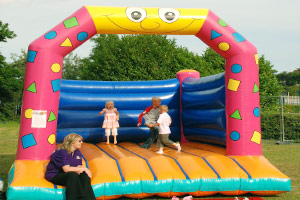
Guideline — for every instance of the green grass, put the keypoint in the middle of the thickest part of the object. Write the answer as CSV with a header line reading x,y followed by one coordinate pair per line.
x,y
287,159
284,157
9,133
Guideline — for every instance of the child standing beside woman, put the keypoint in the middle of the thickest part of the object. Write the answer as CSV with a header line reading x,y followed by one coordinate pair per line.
x,y
110,122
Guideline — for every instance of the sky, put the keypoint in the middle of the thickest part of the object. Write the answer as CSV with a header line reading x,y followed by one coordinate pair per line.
x,y
273,26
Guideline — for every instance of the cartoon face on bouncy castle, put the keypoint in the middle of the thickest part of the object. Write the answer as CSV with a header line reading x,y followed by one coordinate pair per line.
x,y
45,62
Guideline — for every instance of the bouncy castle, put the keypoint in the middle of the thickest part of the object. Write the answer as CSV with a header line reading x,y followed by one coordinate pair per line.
x,y
217,118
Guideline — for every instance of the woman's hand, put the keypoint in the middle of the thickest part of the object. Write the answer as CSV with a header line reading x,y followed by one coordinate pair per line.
x,y
138,125
88,172
79,169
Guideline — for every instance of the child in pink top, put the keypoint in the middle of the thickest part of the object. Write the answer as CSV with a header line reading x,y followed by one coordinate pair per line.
x,y
110,122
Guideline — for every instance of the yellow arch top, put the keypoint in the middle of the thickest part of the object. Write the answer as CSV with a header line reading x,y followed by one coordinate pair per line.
x,y
132,20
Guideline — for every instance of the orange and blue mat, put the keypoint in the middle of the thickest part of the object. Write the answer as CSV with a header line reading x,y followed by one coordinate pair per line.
x,y
128,170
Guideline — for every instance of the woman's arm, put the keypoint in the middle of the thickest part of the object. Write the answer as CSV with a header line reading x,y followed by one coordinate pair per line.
x,y
68,168
78,170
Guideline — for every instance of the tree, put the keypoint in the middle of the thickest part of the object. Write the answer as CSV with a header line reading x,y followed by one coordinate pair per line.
x,y
71,68
289,78
19,65
290,81
7,75
11,91
269,86
5,33
139,57
213,63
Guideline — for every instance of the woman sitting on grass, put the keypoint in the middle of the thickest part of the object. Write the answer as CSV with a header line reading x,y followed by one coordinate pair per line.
x,y
65,168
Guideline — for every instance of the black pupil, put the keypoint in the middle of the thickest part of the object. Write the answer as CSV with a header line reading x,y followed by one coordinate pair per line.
x,y
169,16
136,15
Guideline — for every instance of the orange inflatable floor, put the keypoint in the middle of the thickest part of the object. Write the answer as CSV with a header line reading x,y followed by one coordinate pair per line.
x,y
128,170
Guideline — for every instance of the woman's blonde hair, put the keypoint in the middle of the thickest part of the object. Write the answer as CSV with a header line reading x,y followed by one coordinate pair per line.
x,y
108,103
163,108
69,140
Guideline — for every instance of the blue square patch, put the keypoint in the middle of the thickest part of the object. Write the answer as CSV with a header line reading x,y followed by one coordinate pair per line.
x,y
28,141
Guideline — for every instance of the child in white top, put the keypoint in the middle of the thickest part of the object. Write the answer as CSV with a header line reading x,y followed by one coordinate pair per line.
x,y
110,122
164,121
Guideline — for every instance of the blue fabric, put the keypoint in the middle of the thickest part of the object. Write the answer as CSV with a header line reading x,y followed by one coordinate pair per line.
x,y
28,141
50,35
203,109
81,102
55,85
31,56
82,36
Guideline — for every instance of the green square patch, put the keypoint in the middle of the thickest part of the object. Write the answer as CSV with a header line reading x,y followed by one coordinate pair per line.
x,y
72,22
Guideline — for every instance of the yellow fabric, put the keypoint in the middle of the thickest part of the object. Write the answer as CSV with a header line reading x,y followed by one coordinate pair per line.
x,y
118,20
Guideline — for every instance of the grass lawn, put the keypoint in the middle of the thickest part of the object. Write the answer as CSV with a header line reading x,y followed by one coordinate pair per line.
x,y
285,157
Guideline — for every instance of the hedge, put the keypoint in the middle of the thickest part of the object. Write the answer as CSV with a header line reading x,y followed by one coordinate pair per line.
x,y
270,125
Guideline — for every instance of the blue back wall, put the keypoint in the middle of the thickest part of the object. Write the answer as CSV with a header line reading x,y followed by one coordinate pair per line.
x,y
203,103
81,101
203,109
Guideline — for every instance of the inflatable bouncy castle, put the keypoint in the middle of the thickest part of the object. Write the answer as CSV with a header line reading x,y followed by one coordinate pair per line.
x,y
217,118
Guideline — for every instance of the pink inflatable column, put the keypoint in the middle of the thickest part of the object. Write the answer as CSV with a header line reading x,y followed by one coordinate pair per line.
x,y
243,132
42,84
181,75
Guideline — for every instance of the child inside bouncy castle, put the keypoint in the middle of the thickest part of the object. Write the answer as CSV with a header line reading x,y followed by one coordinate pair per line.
x,y
164,121
150,114
111,121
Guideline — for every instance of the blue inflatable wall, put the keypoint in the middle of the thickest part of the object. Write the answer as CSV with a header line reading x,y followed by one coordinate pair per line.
x,y
203,109
81,101
203,102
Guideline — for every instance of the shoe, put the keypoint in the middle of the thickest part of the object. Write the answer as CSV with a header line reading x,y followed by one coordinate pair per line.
x,y
188,198
160,152
175,198
178,147
144,146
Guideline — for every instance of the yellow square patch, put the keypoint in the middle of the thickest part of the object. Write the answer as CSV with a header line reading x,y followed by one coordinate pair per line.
x,y
233,85
256,137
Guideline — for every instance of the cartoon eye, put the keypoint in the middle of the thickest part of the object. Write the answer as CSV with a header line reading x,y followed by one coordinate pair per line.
x,y
136,14
168,15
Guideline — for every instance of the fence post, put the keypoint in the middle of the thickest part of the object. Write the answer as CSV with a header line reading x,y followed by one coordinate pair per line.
x,y
281,120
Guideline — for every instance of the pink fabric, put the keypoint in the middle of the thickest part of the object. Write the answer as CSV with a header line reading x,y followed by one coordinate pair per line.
x,y
39,73
110,119
243,99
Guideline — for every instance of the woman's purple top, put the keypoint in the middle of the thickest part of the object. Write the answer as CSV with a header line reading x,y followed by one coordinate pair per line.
x,y
60,158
